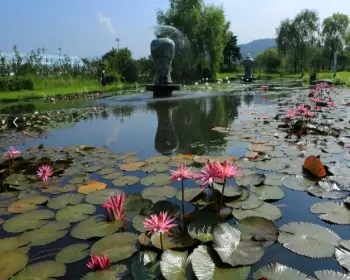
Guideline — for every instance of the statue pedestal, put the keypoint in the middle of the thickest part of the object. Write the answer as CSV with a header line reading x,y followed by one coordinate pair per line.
x,y
162,90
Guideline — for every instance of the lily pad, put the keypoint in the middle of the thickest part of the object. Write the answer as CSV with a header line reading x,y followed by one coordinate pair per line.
x,y
258,228
266,210
308,239
17,181
278,271
331,275
274,179
117,246
204,267
115,272
233,251
92,187
63,200
189,194
145,266
275,164
11,263
269,193
42,270
26,204
155,167
73,253
134,207
105,171
159,159
159,193
297,183
29,220
95,226
177,239
251,202
203,225
12,243
112,176
333,212
125,181
250,180
156,180
162,206
75,213
137,223
132,166
173,265
100,197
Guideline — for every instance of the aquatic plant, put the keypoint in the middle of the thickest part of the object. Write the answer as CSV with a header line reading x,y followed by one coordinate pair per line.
x,y
44,172
98,263
114,208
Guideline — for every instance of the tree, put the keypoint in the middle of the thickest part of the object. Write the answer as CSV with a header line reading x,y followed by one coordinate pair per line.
x,y
231,50
293,36
334,31
269,60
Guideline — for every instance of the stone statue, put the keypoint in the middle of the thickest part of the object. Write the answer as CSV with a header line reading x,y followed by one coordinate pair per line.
x,y
248,64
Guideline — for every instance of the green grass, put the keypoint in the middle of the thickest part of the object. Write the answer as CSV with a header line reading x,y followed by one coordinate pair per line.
x,y
51,87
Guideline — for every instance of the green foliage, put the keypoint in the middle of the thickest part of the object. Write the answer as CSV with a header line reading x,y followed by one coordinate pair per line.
x,y
269,61
16,83
231,51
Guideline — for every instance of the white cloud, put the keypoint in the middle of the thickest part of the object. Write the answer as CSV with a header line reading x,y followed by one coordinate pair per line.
x,y
106,23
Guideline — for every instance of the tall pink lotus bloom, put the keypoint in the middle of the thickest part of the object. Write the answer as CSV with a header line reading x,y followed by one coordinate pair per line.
x,y
331,104
114,208
181,173
291,114
231,171
44,172
210,173
302,109
12,153
308,114
315,100
98,263
159,223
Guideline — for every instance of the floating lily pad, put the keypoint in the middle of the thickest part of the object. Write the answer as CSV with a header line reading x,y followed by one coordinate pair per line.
x,y
42,270
297,183
318,191
279,271
132,208
269,193
125,181
230,191
250,180
94,168
156,180
107,170
275,164
331,275
132,166
137,223
63,200
118,246
159,159
145,266
92,187
177,239
29,203
274,179
29,220
112,176
100,197
162,206
159,193
266,210
173,265
95,226
204,267
258,228
337,213
73,253
11,263
17,181
251,202
12,243
79,179
189,194
115,272
233,251
68,188
203,225
308,239
155,167
75,213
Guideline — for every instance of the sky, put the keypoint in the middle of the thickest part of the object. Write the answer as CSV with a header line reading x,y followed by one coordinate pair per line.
x,y
89,28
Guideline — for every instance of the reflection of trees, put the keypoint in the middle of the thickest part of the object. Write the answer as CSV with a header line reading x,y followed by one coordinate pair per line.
x,y
248,99
194,118
123,111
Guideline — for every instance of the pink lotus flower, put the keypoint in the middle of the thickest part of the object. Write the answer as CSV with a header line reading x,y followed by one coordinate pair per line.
x,y
264,87
308,114
291,114
331,104
181,173
312,91
159,223
44,172
315,100
230,171
318,108
302,109
98,263
12,153
114,208
210,173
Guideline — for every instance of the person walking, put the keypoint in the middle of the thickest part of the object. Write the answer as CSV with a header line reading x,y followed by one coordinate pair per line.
x,y
102,78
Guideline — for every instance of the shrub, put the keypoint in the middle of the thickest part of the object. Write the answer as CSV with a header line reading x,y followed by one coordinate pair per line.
x,y
15,83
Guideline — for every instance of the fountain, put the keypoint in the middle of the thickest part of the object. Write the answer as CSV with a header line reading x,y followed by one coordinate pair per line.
x,y
163,52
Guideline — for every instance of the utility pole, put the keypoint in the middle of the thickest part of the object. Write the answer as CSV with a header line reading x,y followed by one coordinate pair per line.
x,y
60,50
117,40
43,50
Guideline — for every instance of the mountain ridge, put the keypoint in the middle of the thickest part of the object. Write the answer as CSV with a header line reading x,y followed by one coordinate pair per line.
x,y
257,46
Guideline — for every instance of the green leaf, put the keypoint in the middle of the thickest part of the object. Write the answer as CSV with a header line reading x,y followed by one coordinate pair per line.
x,y
173,265
29,220
266,210
250,180
42,270
134,207
11,263
75,213
26,204
161,206
137,223
233,251
144,268
100,197
308,239
117,246
274,179
95,226
157,180
269,193
278,271
230,191
275,164
204,267
65,199
203,225
331,275
115,272
73,253
333,212
159,193
342,254
258,228
155,167
123,181
297,183
177,239
17,181
12,243
189,194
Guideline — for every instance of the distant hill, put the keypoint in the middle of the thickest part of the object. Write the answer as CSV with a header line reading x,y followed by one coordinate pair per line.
x,y
257,46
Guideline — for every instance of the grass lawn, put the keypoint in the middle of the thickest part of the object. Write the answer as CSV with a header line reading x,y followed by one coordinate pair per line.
x,y
51,87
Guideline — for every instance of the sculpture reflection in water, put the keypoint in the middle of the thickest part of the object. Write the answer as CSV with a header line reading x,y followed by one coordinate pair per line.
x,y
185,126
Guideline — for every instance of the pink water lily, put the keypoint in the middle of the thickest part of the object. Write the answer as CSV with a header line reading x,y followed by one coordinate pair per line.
x,y
302,109
315,100
114,208
331,104
308,114
291,114
210,173
44,172
181,173
98,263
12,153
231,171
159,223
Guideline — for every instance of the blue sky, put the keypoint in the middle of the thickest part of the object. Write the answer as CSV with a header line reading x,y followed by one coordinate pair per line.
x,y
89,27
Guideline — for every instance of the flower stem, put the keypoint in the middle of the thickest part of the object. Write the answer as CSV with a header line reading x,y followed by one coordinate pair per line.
x,y
161,241
183,203
222,195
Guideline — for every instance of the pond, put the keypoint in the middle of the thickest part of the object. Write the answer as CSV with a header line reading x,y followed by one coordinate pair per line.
x,y
127,144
